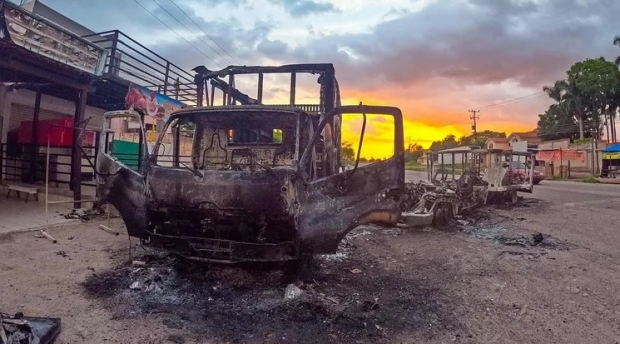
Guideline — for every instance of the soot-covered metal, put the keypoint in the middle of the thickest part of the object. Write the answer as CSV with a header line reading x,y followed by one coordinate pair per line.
x,y
247,183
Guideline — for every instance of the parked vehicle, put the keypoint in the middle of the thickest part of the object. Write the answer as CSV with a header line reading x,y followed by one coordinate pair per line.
x,y
519,169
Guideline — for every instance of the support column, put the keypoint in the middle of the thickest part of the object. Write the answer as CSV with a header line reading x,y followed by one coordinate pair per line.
x,y
76,153
5,112
34,138
5,117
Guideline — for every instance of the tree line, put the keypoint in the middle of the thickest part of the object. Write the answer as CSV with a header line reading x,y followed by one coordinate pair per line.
x,y
414,151
587,101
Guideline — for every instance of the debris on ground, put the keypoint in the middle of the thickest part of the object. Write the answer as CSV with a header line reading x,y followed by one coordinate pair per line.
x,y
46,235
62,254
83,214
138,263
108,229
292,292
17,329
522,202
236,304
487,226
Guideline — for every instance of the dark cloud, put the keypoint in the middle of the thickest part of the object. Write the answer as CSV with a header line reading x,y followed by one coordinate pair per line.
x,y
301,8
272,48
229,41
464,42
127,15
475,42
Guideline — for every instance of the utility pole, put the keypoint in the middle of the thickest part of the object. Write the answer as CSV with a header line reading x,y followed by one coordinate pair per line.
x,y
474,117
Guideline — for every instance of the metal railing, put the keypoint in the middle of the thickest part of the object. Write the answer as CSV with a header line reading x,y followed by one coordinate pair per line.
x,y
134,62
30,166
309,108
22,167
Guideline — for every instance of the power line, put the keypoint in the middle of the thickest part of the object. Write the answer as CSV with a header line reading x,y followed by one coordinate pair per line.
x,y
234,60
515,100
195,35
169,28
204,32
537,94
190,31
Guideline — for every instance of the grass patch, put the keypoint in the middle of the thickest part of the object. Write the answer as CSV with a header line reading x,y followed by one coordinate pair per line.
x,y
590,180
414,166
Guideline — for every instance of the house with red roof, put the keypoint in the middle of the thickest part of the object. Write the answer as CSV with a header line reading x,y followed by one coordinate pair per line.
x,y
497,143
530,137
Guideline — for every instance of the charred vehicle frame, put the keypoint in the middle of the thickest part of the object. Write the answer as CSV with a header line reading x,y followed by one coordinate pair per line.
x,y
242,195
482,169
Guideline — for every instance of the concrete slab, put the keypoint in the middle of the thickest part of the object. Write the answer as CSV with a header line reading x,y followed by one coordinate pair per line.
x,y
17,215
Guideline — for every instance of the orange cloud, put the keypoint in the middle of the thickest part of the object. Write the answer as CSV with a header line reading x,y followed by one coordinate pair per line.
x,y
429,117
424,121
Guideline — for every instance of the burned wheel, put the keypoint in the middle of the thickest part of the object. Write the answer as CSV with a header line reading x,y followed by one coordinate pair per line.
x,y
513,198
442,214
492,198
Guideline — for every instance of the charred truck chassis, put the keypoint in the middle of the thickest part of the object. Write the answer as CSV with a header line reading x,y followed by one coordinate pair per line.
x,y
437,202
239,201
503,184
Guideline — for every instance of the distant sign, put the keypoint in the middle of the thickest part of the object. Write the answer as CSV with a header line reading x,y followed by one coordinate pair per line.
x,y
45,38
150,103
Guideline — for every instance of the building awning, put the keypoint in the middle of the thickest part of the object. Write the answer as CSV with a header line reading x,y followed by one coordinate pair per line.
x,y
615,148
611,156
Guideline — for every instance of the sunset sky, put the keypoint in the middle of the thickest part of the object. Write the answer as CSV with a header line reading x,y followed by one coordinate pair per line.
x,y
434,59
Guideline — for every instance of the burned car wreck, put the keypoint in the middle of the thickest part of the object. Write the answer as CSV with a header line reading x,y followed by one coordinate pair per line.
x,y
250,183
465,179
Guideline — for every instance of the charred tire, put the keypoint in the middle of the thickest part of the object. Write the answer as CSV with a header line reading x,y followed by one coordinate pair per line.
x,y
442,214
513,198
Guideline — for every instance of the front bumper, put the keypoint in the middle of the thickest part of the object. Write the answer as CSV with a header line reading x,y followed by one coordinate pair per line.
x,y
225,251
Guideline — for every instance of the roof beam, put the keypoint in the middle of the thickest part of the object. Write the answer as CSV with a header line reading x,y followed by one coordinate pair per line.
x,y
36,71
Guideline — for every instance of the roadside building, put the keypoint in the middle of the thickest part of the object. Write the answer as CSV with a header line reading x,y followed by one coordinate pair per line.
x,y
57,79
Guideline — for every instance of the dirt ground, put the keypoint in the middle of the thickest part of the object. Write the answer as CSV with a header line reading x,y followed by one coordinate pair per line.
x,y
486,279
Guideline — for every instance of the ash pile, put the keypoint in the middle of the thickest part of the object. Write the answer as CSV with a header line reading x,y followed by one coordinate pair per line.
x,y
330,300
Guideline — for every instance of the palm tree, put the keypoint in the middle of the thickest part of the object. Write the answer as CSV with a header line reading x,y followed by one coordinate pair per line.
x,y
570,101
617,42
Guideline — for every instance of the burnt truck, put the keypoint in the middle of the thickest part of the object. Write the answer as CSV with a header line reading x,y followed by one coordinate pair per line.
x,y
252,182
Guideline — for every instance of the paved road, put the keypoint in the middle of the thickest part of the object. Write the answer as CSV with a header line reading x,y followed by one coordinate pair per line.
x,y
560,192
576,193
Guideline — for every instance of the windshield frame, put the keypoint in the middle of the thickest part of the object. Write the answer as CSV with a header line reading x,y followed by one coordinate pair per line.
x,y
300,116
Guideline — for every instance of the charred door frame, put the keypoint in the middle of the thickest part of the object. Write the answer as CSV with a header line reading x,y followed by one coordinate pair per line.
x,y
399,140
143,153
331,206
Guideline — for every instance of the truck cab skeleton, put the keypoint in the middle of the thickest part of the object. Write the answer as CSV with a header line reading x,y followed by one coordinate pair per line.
x,y
260,183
